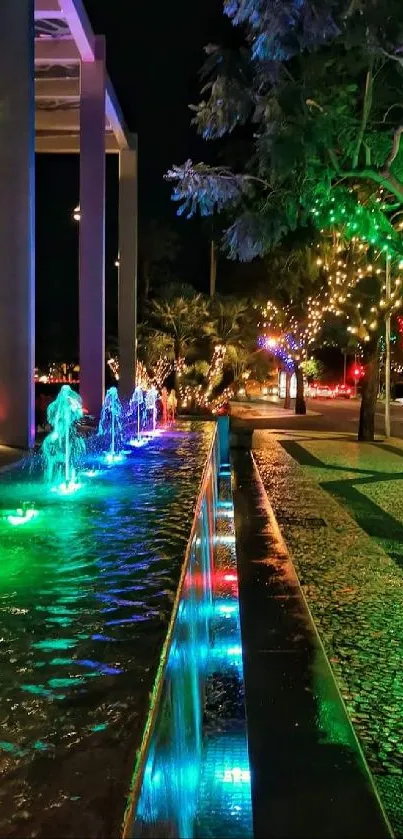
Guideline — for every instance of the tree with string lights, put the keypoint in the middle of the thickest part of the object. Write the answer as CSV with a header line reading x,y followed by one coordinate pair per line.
x,y
317,82
356,295
288,333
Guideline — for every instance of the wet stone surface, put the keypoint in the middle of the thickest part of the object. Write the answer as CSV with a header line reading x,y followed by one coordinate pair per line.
x,y
354,588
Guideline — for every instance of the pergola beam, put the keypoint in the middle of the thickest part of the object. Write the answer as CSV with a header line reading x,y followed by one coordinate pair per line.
x,y
68,144
54,51
46,14
47,8
57,120
64,89
80,28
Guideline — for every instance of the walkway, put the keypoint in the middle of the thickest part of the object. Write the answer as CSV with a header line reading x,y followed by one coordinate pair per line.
x,y
340,508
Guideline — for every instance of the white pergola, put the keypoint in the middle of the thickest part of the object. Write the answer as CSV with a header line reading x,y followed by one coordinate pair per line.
x,y
57,99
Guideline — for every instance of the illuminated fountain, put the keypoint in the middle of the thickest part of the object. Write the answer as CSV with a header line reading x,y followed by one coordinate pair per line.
x,y
63,448
111,426
135,410
151,408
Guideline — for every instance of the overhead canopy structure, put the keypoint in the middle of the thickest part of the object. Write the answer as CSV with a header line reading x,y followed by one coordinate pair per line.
x,y
64,39
57,99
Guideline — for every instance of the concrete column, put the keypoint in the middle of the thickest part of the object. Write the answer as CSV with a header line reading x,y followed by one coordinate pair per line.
x,y
17,207
127,268
92,230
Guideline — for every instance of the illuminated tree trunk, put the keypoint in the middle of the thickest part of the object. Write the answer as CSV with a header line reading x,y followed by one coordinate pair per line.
x,y
287,400
366,429
300,405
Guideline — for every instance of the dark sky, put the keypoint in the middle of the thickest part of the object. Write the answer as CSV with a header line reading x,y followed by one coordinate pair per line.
x,y
154,53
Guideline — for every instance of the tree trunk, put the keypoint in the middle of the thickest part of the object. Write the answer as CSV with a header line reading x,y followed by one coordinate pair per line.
x,y
300,404
177,359
287,400
146,279
366,429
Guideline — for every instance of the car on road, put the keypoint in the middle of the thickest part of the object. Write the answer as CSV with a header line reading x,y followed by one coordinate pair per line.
x,y
318,391
342,392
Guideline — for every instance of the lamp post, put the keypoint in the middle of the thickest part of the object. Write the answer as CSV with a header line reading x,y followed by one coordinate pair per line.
x,y
387,348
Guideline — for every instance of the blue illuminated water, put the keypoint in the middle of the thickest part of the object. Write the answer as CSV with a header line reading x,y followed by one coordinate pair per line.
x,y
196,781
224,807
86,592
111,425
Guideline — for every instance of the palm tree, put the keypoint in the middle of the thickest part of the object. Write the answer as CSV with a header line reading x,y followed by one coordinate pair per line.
x,y
239,359
185,320
230,321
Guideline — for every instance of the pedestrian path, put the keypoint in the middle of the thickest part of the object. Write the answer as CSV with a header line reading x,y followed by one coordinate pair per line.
x,y
339,505
309,778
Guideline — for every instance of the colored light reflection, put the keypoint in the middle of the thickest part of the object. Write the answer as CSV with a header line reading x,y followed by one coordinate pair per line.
x,y
234,776
138,442
21,516
226,609
111,458
66,489
225,513
225,539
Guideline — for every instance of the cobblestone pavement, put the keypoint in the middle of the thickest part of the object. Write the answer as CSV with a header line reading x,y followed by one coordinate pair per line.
x,y
351,572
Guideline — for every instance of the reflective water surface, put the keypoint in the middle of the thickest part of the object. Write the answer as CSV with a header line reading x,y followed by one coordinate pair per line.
x,y
196,779
86,591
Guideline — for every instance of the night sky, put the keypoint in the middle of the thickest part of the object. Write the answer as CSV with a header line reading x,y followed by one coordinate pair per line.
x,y
154,53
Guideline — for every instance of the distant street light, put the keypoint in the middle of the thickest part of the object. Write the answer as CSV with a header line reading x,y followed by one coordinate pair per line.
x,y
77,213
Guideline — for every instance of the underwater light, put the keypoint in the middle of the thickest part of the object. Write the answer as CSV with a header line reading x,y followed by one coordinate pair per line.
x,y
22,516
66,489
137,442
234,776
114,458
234,650
226,610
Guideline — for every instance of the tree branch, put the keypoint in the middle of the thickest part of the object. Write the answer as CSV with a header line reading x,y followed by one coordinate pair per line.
x,y
366,110
395,148
382,177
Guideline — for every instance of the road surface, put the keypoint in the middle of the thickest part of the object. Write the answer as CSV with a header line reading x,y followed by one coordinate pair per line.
x,y
323,415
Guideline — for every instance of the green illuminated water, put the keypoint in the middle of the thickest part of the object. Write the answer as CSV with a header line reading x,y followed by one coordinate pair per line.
x,y
86,591
63,448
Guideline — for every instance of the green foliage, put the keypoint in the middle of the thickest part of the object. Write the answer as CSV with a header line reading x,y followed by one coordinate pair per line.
x,y
238,360
313,368
318,85
184,320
